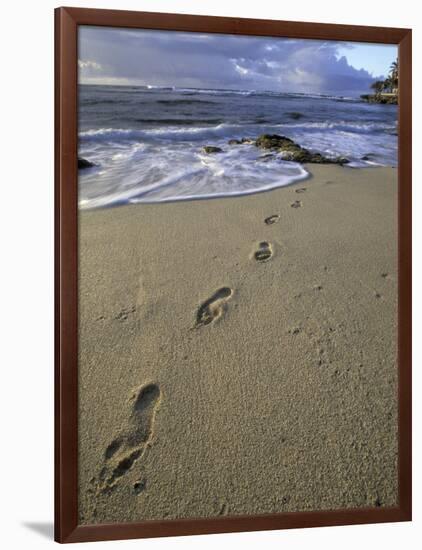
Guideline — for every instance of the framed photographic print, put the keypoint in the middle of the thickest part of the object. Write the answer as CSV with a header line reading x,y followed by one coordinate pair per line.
x,y
233,274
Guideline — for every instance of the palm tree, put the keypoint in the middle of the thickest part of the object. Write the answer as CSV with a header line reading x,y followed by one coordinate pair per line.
x,y
394,75
388,85
385,91
378,86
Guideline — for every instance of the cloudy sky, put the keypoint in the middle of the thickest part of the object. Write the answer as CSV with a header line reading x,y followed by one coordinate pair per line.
x,y
168,58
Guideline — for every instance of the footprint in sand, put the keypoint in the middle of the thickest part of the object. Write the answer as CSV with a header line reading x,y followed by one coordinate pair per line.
x,y
129,446
213,308
301,190
264,252
139,486
272,219
125,313
296,204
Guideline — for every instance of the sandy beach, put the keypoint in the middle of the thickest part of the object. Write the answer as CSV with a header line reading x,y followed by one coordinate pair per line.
x,y
238,355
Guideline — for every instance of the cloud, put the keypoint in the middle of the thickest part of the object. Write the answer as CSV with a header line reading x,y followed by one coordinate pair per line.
x,y
89,69
88,64
165,58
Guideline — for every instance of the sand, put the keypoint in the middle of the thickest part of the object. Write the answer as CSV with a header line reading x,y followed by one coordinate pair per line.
x,y
232,366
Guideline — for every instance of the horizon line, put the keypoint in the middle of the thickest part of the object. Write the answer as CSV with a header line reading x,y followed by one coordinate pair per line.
x,y
181,88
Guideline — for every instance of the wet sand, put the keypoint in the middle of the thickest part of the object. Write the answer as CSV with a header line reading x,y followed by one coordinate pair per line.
x,y
238,355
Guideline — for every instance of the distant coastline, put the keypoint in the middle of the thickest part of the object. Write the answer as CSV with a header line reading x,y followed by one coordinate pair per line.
x,y
385,91
383,98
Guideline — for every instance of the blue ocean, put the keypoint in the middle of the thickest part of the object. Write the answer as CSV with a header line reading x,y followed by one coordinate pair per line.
x,y
146,142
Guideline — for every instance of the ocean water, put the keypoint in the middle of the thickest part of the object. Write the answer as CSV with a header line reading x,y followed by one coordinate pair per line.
x,y
146,142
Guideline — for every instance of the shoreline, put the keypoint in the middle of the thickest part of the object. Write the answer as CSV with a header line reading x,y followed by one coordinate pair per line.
x,y
308,167
260,336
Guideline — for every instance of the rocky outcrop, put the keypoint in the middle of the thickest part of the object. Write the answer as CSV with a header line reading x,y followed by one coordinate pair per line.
x,y
83,163
274,142
289,150
385,99
240,141
280,147
209,149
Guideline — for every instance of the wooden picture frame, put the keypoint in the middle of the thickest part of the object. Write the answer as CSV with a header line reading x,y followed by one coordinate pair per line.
x,y
67,21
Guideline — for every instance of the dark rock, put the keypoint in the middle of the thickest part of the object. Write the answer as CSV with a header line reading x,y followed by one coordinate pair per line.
x,y
211,149
291,151
295,115
83,163
273,141
240,141
342,160
266,157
